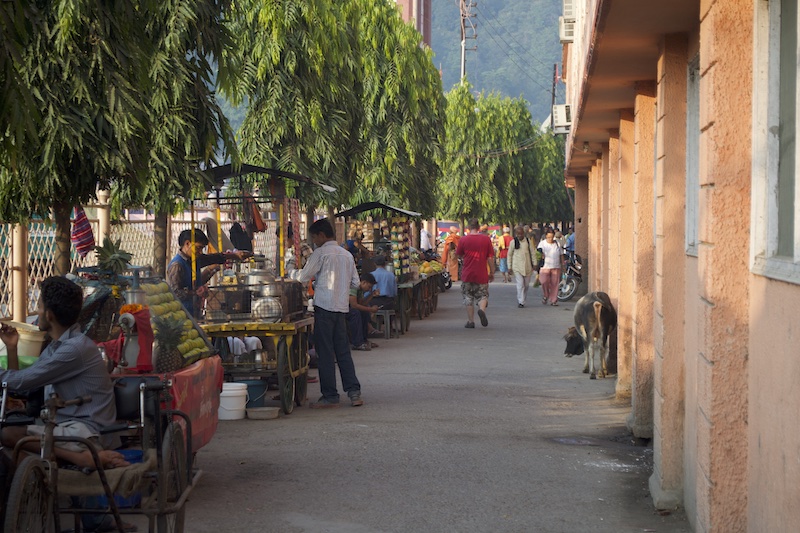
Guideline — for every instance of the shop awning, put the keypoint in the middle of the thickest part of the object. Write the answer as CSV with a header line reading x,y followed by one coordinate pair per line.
x,y
371,206
219,174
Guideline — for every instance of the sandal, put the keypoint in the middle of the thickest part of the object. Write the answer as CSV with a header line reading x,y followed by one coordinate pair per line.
x,y
554,304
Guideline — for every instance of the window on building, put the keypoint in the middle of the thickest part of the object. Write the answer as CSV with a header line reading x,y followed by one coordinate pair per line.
x,y
775,236
692,155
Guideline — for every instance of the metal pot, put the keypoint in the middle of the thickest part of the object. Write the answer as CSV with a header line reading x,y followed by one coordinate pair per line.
x,y
259,277
274,289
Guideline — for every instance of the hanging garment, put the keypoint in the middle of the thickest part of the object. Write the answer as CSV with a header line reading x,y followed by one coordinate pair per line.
x,y
240,239
82,235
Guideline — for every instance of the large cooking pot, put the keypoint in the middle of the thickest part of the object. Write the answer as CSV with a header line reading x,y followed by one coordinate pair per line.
x,y
259,277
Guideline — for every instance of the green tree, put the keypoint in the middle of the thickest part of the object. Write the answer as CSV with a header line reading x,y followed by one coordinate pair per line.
x,y
403,112
498,166
299,74
95,72
341,92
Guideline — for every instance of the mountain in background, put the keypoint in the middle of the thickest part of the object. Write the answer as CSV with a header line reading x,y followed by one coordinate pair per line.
x,y
517,47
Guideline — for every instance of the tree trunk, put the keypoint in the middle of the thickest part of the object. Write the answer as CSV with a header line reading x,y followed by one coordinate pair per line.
x,y
61,215
160,226
332,220
309,220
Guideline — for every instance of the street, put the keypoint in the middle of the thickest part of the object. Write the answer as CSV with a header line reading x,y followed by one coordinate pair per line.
x,y
484,430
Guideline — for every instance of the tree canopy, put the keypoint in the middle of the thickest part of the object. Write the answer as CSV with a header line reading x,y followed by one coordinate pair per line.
x,y
340,91
498,166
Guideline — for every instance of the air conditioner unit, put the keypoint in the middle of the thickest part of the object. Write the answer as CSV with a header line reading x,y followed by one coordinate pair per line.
x,y
562,118
569,10
566,30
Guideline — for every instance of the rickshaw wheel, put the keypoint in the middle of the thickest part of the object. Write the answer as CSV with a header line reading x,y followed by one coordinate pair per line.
x,y
301,381
172,480
30,501
285,379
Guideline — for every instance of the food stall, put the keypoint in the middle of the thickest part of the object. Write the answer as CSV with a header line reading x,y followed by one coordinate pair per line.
x,y
255,299
417,290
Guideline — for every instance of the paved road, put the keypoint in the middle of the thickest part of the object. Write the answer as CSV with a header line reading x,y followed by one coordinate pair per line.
x,y
484,430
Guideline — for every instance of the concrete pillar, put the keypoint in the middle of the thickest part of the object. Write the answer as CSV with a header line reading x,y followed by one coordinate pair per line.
x,y
640,421
667,479
19,273
603,221
726,70
103,216
624,237
581,221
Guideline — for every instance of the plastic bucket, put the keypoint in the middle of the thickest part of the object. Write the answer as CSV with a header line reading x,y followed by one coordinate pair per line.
x,y
232,401
256,391
30,338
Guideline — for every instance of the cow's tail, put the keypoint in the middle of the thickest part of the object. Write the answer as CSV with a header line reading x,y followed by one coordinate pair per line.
x,y
596,331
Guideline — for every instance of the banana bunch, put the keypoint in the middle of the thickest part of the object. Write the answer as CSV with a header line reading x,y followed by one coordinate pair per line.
x,y
111,258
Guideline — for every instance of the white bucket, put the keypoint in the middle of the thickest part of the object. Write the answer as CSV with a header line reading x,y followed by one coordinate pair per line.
x,y
30,338
232,401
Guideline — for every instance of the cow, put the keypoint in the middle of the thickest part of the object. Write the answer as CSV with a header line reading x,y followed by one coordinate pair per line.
x,y
595,319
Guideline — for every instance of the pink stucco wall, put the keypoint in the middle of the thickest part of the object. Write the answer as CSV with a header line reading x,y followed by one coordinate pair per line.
x,y
726,49
774,440
667,479
640,421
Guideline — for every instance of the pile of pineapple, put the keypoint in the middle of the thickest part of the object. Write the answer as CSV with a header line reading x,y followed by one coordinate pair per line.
x,y
179,343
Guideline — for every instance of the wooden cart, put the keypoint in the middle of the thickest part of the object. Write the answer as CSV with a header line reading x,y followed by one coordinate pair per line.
x,y
291,346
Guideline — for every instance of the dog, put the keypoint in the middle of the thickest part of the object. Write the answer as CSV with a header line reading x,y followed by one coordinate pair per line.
x,y
595,319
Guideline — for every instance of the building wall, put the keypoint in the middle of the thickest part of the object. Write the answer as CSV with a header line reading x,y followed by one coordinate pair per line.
x,y
667,479
715,343
726,51
640,421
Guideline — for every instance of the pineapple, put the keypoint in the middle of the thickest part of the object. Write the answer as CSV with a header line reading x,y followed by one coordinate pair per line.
x,y
168,332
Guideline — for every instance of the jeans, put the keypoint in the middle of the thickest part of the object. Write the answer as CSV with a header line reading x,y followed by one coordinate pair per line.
x,y
330,336
522,286
358,326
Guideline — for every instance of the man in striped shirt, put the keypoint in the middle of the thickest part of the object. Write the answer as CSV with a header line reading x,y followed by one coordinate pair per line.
x,y
70,366
335,274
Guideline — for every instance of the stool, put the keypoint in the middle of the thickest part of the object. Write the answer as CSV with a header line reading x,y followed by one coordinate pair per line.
x,y
390,324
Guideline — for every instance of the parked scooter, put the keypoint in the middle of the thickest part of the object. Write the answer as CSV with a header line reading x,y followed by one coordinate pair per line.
x,y
571,278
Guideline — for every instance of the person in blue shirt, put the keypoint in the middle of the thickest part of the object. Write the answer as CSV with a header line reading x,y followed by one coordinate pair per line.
x,y
385,289
569,247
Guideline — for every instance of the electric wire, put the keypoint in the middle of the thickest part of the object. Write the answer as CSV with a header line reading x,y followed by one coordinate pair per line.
x,y
522,69
497,31
495,16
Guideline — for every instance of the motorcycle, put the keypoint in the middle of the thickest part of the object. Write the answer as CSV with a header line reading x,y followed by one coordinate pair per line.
x,y
571,278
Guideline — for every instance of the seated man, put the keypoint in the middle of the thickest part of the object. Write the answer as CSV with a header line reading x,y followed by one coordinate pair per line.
x,y
70,366
385,285
358,316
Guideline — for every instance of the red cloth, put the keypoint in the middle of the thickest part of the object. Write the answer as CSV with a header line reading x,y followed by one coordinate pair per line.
x,y
195,391
144,363
504,251
81,235
476,248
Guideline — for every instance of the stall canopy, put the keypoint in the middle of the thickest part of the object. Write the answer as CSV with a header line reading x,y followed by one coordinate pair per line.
x,y
370,206
219,174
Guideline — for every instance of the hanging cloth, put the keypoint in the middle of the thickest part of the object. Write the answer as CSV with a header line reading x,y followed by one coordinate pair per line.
x,y
82,235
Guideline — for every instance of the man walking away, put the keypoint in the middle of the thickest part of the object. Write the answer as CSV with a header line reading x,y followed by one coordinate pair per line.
x,y
478,270
335,273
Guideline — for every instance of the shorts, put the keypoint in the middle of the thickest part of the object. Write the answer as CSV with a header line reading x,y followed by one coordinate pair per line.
x,y
504,264
70,428
474,293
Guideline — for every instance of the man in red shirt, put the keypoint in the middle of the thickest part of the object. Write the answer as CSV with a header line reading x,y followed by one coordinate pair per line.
x,y
478,270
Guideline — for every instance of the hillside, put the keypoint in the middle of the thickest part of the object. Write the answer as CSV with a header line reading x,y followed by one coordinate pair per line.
x,y
517,47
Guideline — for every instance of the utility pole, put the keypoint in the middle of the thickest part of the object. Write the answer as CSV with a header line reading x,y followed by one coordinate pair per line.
x,y
553,99
469,30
